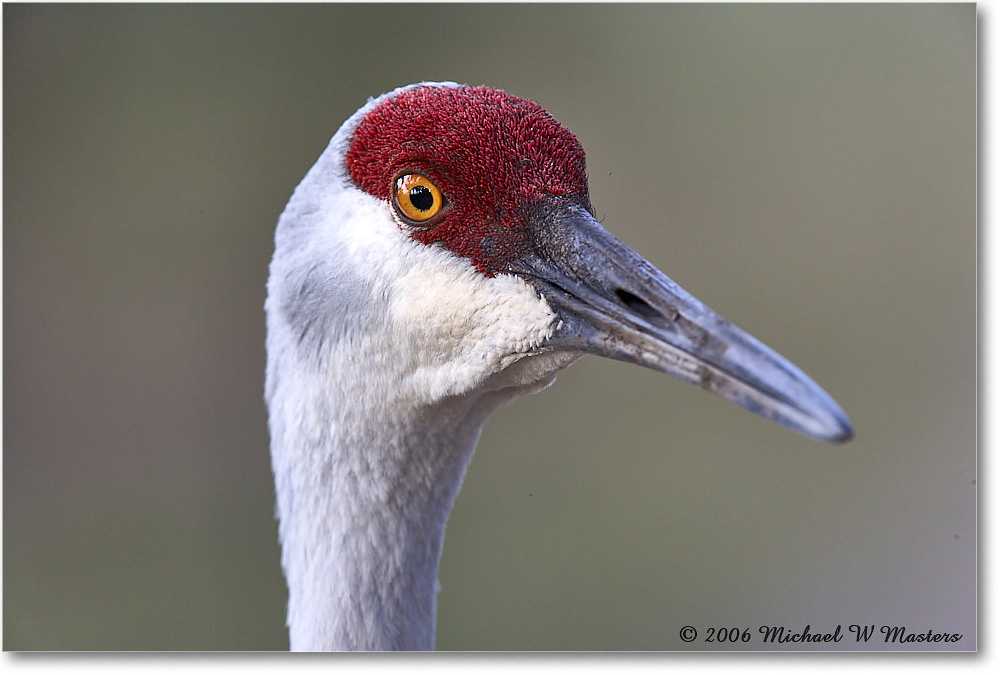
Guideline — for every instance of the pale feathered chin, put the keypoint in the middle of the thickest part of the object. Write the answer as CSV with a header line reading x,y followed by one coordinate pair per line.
x,y
614,303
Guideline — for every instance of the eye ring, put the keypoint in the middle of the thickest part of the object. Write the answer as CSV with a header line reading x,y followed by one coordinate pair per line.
x,y
416,198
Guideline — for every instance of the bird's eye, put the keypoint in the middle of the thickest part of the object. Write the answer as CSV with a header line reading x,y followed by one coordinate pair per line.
x,y
416,198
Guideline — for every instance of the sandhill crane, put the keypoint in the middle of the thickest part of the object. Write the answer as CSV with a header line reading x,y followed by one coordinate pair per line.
x,y
440,259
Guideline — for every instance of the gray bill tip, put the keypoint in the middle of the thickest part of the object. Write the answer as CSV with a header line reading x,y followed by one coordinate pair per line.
x,y
835,427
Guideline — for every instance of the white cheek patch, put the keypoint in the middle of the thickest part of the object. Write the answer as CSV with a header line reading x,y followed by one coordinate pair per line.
x,y
443,327
461,326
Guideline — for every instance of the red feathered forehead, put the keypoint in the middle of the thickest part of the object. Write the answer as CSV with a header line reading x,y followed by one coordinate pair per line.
x,y
492,155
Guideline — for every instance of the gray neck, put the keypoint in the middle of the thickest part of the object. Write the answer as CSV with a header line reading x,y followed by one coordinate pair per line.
x,y
362,513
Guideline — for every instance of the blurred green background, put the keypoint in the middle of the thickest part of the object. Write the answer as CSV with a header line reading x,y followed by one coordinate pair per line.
x,y
807,171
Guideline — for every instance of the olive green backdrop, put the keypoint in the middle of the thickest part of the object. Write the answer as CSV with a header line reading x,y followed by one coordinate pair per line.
x,y
807,171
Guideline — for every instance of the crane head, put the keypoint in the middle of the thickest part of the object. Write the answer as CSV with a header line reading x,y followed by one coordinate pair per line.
x,y
447,236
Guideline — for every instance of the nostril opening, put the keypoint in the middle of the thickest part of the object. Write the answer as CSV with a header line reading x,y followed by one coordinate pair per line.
x,y
637,305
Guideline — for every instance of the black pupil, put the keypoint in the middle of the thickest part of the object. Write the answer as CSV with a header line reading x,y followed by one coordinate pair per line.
x,y
421,198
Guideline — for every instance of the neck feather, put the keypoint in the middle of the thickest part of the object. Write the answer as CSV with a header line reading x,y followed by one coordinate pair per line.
x,y
362,508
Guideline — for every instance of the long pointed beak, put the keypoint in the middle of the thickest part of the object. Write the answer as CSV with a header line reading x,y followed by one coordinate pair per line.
x,y
614,303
